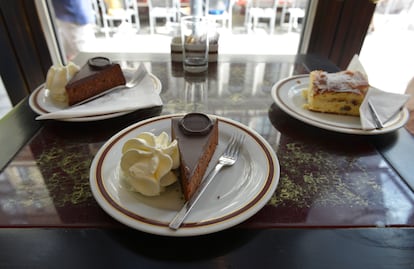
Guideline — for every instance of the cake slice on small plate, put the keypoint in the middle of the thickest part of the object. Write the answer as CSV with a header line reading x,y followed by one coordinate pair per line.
x,y
197,137
338,93
98,75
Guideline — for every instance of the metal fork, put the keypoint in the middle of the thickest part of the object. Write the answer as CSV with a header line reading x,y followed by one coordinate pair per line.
x,y
375,116
136,77
228,158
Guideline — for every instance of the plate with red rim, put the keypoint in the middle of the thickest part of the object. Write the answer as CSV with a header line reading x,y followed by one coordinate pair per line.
x,y
287,94
41,103
235,195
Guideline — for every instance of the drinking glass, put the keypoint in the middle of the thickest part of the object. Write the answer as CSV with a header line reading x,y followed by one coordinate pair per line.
x,y
194,37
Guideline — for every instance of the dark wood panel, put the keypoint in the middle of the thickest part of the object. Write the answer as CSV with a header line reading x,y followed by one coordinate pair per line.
x,y
339,29
10,71
37,34
26,53
351,32
324,27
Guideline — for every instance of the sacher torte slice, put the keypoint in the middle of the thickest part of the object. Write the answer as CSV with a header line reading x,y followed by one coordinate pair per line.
x,y
98,75
197,137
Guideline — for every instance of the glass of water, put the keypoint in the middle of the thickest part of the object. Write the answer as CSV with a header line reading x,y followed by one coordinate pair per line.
x,y
194,37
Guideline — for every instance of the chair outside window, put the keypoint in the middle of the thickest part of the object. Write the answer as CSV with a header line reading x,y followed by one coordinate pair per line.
x,y
296,13
221,12
115,12
163,9
261,9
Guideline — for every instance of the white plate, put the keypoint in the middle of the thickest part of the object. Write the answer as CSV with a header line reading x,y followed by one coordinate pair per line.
x,y
235,195
41,103
287,94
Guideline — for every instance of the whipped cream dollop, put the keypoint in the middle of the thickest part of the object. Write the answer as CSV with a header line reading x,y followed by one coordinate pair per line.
x,y
147,162
56,79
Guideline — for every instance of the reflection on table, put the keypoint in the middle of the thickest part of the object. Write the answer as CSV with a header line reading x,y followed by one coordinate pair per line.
x,y
327,179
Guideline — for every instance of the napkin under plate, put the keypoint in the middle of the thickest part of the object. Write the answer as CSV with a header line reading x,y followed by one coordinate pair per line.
x,y
386,104
120,100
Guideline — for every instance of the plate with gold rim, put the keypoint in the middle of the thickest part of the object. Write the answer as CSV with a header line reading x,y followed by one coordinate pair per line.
x,y
236,194
41,102
287,94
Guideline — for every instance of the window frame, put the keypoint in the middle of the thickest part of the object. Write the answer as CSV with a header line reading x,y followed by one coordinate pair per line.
x,y
334,30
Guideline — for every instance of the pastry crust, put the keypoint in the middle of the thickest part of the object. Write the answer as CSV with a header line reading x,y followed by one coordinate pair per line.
x,y
338,93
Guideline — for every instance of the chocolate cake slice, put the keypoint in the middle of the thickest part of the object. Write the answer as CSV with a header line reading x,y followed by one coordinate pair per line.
x,y
98,75
197,137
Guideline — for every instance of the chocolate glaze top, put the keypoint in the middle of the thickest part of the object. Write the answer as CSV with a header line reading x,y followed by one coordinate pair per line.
x,y
99,62
191,146
93,67
196,124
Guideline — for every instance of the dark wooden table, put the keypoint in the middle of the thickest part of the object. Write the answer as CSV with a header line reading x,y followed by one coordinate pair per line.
x,y
343,200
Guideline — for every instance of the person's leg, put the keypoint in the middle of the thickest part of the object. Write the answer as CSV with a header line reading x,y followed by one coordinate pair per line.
x,y
75,37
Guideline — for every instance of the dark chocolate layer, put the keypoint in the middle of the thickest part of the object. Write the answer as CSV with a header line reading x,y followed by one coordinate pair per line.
x,y
196,150
90,80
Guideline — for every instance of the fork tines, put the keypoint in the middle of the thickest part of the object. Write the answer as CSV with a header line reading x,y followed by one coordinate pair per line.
x,y
233,146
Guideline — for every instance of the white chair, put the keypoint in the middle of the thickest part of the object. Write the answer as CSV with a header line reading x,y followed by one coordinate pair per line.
x,y
133,13
125,11
221,11
166,9
296,12
261,9
294,15
97,13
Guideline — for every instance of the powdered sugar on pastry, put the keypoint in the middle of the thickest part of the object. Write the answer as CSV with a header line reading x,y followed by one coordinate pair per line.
x,y
345,81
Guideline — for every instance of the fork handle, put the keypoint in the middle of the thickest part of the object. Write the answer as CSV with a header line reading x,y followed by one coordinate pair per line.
x,y
375,116
188,206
